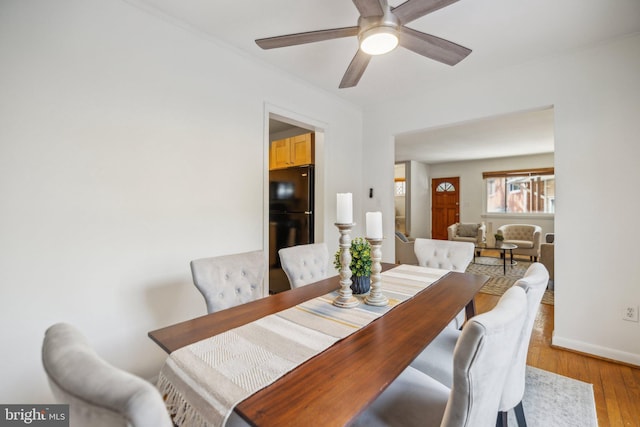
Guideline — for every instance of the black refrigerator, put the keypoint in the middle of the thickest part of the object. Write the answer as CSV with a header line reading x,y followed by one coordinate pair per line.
x,y
291,205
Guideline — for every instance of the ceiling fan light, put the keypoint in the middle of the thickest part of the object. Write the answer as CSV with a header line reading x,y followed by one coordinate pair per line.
x,y
378,40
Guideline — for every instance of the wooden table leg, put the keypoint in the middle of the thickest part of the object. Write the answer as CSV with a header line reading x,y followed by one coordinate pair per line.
x,y
470,309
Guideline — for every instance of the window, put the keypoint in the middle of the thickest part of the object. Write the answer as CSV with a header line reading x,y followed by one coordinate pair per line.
x,y
445,186
400,187
521,191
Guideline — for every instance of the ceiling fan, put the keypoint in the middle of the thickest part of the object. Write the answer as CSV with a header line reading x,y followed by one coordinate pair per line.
x,y
380,29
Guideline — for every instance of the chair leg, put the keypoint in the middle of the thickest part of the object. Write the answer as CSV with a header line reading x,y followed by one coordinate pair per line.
x,y
502,419
519,410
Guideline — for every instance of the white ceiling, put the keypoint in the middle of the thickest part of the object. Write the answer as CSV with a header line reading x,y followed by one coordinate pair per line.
x,y
501,33
514,134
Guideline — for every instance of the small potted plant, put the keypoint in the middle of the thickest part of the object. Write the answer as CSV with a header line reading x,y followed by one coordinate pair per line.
x,y
360,265
499,239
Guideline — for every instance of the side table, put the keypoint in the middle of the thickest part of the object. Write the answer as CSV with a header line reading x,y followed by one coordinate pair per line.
x,y
504,248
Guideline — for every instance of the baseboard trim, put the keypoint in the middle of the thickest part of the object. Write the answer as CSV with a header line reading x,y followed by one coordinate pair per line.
x,y
598,352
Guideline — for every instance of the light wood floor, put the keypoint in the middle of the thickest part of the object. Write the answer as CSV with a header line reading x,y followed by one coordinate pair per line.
x,y
616,387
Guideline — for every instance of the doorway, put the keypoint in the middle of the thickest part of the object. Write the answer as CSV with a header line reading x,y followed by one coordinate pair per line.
x,y
293,189
402,197
445,205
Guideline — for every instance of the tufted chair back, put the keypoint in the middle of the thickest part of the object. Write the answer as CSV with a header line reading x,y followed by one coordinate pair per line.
x,y
304,264
486,346
447,255
98,394
444,254
523,232
534,282
479,362
229,280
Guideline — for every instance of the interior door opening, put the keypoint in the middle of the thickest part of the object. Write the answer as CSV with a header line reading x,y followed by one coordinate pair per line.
x,y
291,193
402,197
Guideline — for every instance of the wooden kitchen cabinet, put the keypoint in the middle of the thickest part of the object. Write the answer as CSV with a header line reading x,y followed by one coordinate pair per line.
x,y
295,151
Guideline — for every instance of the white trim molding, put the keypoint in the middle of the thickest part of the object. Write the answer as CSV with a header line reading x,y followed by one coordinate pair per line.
x,y
596,350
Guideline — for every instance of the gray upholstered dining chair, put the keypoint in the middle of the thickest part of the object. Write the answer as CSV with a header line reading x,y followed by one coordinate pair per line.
x,y
534,282
98,394
229,280
435,360
480,364
444,254
447,255
304,264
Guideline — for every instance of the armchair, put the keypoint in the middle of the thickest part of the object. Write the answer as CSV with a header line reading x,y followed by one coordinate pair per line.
x,y
405,253
467,232
527,237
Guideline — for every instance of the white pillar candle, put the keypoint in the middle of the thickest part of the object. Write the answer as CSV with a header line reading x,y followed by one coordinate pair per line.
x,y
374,225
345,209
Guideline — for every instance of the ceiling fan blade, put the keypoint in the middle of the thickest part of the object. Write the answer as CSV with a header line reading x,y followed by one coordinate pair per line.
x,y
414,9
307,37
369,8
432,47
355,70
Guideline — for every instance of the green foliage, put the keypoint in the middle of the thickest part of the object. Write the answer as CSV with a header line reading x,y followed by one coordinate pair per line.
x,y
360,257
499,237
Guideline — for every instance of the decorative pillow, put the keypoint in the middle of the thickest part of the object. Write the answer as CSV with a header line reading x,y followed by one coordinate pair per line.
x,y
467,230
402,236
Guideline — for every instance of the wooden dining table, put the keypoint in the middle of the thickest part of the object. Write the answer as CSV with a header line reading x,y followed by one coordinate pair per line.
x,y
333,387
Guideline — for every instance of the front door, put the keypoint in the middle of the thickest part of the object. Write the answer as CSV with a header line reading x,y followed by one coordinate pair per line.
x,y
445,205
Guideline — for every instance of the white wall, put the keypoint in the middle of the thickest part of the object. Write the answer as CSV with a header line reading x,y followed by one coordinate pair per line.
x,y
129,146
420,217
595,97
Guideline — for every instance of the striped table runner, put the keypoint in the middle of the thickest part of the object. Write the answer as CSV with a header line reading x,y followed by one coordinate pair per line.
x,y
203,382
